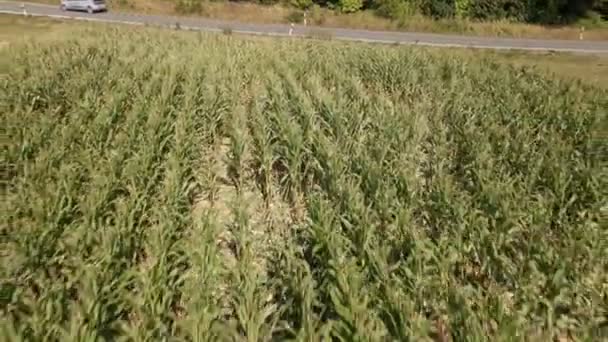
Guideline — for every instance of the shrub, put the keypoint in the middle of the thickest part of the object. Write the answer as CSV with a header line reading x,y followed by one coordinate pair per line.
x,y
496,9
395,9
601,7
301,4
593,20
438,8
124,3
295,17
268,2
189,6
317,15
462,8
349,6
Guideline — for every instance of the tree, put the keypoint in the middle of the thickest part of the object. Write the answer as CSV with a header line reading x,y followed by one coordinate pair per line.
x,y
349,6
497,9
462,8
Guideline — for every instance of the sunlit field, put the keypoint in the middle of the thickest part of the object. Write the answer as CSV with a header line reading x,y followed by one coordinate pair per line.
x,y
162,186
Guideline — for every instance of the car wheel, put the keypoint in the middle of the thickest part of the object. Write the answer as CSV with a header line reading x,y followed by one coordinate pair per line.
x,y
89,10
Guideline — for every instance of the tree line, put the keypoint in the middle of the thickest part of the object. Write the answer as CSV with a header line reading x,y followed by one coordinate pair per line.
x,y
530,11
533,11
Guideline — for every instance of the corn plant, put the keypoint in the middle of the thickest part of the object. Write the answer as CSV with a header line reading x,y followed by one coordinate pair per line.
x,y
424,196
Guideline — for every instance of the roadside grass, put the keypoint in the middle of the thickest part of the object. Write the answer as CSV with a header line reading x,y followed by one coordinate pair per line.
x,y
168,185
16,28
256,13
590,69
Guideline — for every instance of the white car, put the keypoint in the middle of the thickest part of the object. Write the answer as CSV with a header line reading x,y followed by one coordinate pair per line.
x,y
90,6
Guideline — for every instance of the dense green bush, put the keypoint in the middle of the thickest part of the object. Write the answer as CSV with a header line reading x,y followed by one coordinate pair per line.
x,y
546,11
496,9
536,11
462,8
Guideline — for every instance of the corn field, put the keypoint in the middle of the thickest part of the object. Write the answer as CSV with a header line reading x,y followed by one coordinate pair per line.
x,y
188,187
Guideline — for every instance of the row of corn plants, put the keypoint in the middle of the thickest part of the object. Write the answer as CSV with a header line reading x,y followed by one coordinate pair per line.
x,y
427,197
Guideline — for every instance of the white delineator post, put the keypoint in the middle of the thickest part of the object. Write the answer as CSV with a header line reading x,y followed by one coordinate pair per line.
x,y
580,36
291,29
23,8
305,18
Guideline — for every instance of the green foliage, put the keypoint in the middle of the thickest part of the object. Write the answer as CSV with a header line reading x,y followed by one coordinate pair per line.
x,y
592,20
295,17
189,6
349,6
437,8
124,3
317,15
497,9
601,7
463,8
280,189
541,11
301,4
396,9
532,11
268,2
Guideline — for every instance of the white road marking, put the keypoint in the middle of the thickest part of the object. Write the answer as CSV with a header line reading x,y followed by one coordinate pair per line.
x,y
304,35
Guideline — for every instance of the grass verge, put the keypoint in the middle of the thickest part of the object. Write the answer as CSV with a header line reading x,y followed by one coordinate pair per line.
x,y
590,69
255,13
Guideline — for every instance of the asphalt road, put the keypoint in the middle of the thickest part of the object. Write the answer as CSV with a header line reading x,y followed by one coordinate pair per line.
x,y
576,46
